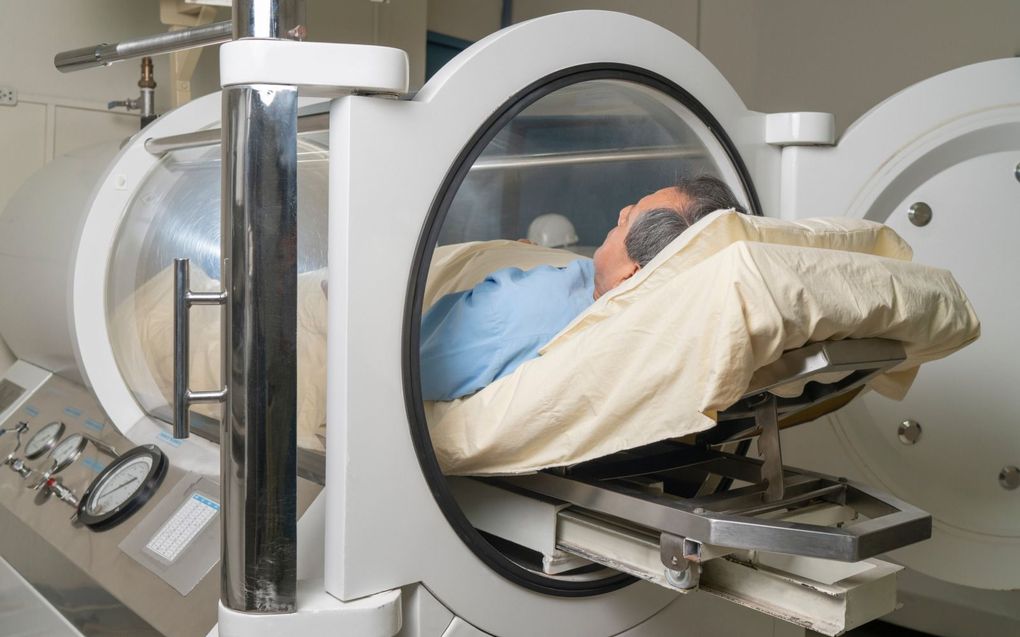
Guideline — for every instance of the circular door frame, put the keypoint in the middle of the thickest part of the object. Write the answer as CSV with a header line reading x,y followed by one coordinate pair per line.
x,y
419,274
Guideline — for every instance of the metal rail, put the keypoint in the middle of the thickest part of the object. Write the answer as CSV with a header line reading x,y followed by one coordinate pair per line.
x,y
319,122
589,157
258,446
161,145
106,54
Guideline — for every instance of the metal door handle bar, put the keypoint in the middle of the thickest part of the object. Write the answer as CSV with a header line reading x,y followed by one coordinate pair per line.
x,y
184,298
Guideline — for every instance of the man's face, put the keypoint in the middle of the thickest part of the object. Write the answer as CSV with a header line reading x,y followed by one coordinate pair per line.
x,y
612,265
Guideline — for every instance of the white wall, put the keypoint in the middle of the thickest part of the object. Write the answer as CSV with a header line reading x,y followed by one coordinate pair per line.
x,y
397,23
836,56
469,20
59,112
845,57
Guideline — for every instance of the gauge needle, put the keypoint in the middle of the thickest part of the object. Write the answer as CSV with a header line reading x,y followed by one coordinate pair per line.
x,y
119,487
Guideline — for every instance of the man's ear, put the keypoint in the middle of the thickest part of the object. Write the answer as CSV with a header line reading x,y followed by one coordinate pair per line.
x,y
632,268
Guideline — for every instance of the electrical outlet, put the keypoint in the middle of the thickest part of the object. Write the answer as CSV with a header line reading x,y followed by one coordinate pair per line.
x,y
8,96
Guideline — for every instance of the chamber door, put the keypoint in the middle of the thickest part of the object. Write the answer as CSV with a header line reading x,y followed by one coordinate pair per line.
x,y
534,120
940,163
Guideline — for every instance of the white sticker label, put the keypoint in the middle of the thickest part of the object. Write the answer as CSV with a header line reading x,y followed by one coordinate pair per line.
x,y
183,527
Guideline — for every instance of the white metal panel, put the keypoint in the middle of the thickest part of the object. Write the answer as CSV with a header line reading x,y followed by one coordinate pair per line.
x,y
29,378
706,615
952,142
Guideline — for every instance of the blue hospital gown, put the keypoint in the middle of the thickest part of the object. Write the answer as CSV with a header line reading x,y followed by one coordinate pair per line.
x,y
471,338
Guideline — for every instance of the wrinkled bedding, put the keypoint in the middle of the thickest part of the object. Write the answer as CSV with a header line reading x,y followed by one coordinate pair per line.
x,y
661,355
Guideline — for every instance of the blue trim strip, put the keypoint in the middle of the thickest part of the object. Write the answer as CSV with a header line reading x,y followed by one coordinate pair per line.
x,y
168,439
206,501
95,465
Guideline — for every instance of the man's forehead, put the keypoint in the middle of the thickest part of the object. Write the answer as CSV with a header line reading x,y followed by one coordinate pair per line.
x,y
664,198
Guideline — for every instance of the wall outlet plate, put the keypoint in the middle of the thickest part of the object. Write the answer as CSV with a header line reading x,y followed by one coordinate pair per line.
x,y
8,96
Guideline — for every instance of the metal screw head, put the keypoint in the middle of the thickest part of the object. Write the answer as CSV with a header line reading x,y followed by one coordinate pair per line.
x,y
919,214
1016,172
909,432
1009,477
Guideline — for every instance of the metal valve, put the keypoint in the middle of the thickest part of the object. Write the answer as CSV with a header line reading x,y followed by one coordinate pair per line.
x,y
18,466
56,487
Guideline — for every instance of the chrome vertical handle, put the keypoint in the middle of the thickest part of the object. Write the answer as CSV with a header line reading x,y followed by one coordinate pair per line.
x,y
184,298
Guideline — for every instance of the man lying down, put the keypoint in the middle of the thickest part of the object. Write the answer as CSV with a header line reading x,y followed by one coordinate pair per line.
x,y
674,343
471,338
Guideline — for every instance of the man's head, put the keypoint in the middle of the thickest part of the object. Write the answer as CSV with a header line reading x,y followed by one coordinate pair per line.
x,y
646,227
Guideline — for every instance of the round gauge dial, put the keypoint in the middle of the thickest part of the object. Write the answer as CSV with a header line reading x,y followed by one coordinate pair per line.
x,y
122,488
43,440
66,452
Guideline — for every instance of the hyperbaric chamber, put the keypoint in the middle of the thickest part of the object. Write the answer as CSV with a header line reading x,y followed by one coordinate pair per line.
x,y
458,162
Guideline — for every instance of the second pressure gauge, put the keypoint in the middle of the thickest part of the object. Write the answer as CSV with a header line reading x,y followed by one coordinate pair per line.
x,y
66,452
43,440
122,488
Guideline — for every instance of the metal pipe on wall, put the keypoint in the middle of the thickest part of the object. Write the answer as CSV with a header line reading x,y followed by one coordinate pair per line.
x,y
106,54
258,442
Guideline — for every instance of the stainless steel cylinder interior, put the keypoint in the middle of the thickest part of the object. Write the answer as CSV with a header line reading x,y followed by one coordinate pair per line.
x,y
258,443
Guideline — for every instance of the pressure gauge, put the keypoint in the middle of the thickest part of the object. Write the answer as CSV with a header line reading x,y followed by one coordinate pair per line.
x,y
122,488
43,440
66,452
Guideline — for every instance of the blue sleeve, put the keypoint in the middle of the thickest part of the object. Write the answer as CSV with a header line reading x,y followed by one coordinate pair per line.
x,y
471,338
459,336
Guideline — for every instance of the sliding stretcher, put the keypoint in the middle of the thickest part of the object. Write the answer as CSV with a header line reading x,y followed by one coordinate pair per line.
x,y
698,513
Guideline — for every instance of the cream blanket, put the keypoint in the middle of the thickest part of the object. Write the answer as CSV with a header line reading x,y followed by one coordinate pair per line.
x,y
659,356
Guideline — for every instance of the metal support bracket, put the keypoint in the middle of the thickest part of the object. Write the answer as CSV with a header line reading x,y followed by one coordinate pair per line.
x,y
184,298
767,417
682,559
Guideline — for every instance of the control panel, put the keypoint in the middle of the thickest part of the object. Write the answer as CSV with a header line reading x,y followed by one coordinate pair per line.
x,y
86,512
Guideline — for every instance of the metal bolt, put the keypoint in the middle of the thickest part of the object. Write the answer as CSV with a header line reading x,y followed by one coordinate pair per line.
x,y
685,579
1009,477
919,214
909,432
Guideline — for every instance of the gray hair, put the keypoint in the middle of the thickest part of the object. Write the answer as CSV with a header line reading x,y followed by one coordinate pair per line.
x,y
657,228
